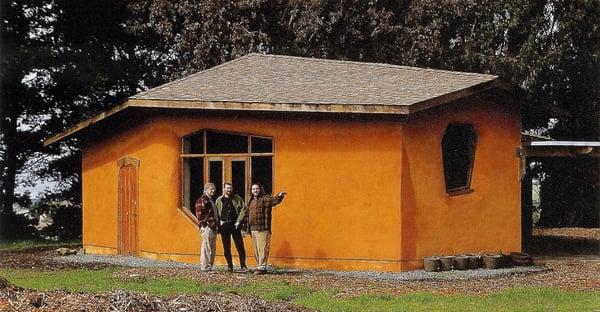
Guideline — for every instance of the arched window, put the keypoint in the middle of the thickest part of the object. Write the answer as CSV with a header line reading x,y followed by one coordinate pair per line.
x,y
458,152
218,157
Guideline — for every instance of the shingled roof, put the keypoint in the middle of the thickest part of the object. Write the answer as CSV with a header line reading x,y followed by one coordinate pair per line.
x,y
260,78
260,82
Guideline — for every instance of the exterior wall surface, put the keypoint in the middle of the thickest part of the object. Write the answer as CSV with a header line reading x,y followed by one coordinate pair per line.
x,y
342,177
485,220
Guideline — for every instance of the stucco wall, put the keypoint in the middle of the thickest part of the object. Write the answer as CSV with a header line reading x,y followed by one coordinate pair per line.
x,y
342,177
486,220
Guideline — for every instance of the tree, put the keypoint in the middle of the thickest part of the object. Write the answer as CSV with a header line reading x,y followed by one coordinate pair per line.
x,y
67,60
62,61
24,38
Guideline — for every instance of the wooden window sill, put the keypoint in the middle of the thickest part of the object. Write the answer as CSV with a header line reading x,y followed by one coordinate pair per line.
x,y
462,191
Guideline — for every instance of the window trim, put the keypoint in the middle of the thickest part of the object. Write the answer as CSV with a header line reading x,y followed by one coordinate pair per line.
x,y
248,156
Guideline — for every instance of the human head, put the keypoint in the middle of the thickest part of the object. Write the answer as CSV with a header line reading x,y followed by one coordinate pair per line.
x,y
210,189
257,189
227,189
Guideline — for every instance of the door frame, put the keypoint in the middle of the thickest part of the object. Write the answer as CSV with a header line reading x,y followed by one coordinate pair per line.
x,y
133,248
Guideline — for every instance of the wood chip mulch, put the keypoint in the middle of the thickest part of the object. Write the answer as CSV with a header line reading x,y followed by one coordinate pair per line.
x,y
14,298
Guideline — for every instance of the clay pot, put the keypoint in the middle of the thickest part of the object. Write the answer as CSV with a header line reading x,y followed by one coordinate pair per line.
x,y
432,264
474,262
447,263
521,259
461,263
492,261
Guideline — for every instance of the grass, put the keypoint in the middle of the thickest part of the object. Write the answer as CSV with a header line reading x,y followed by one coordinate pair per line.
x,y
516,299
91,281
20,244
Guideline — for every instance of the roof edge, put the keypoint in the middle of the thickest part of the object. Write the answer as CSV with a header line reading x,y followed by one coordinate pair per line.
x,y
84,124
233,106
271,107
449,97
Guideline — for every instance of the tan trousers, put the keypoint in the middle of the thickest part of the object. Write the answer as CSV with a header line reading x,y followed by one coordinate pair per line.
x,y
261,241
208,248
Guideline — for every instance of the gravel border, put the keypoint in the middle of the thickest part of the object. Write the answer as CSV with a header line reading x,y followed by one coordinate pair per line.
x,y
416,275
128,261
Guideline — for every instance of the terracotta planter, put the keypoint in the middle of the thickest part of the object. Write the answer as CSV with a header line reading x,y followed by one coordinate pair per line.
x,y
461,263
432,264
447,263
492,261
475,262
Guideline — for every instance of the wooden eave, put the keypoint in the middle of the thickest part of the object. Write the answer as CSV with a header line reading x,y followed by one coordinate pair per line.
x,y
86,123
332,108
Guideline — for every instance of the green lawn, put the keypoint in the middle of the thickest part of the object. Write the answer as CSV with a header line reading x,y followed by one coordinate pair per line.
x,y
521,299
20,244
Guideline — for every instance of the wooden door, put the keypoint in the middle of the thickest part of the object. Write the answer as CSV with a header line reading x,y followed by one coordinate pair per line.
x,y
128,206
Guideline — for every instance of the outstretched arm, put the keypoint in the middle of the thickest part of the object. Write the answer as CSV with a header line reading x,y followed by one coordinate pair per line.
x,y
278,198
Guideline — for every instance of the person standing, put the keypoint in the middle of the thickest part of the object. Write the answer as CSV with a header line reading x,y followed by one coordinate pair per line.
x,y
231,211
206,212
260,207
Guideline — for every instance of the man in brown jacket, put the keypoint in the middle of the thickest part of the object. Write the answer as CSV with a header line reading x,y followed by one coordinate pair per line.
x,y
259,222
207,221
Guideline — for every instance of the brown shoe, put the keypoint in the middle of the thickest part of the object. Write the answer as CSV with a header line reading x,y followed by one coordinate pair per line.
x,y
260,272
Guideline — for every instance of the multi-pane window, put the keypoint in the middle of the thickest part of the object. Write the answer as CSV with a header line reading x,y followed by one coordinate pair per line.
x,y
458,153
218,157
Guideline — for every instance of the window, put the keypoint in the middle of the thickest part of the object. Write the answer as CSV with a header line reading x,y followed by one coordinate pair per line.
x,y
218,157
458,153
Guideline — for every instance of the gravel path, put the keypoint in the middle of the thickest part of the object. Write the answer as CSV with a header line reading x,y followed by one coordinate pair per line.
x,y
416,275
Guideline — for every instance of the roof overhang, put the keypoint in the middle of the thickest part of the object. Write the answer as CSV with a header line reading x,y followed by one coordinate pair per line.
x,y
320,108
559,149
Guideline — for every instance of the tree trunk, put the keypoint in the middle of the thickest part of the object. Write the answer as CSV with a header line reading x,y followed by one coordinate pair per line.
x,y
9,165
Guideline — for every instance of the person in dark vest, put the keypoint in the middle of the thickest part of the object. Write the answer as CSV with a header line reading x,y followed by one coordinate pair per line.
x,y
208,220
260,207
231,211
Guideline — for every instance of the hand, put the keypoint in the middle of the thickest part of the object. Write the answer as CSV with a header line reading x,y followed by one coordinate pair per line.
x,y
237,225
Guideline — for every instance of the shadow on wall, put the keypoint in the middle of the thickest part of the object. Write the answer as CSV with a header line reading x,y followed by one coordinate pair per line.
x,y
284,251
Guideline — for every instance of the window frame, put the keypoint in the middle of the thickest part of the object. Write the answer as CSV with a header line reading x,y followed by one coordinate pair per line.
x,y
206,156
473,140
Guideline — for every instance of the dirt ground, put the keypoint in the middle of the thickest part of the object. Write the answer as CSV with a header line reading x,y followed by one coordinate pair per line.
x,y
567,272
564,242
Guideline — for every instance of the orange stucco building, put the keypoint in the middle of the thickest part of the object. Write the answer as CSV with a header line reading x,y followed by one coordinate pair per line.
x,y
383,164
